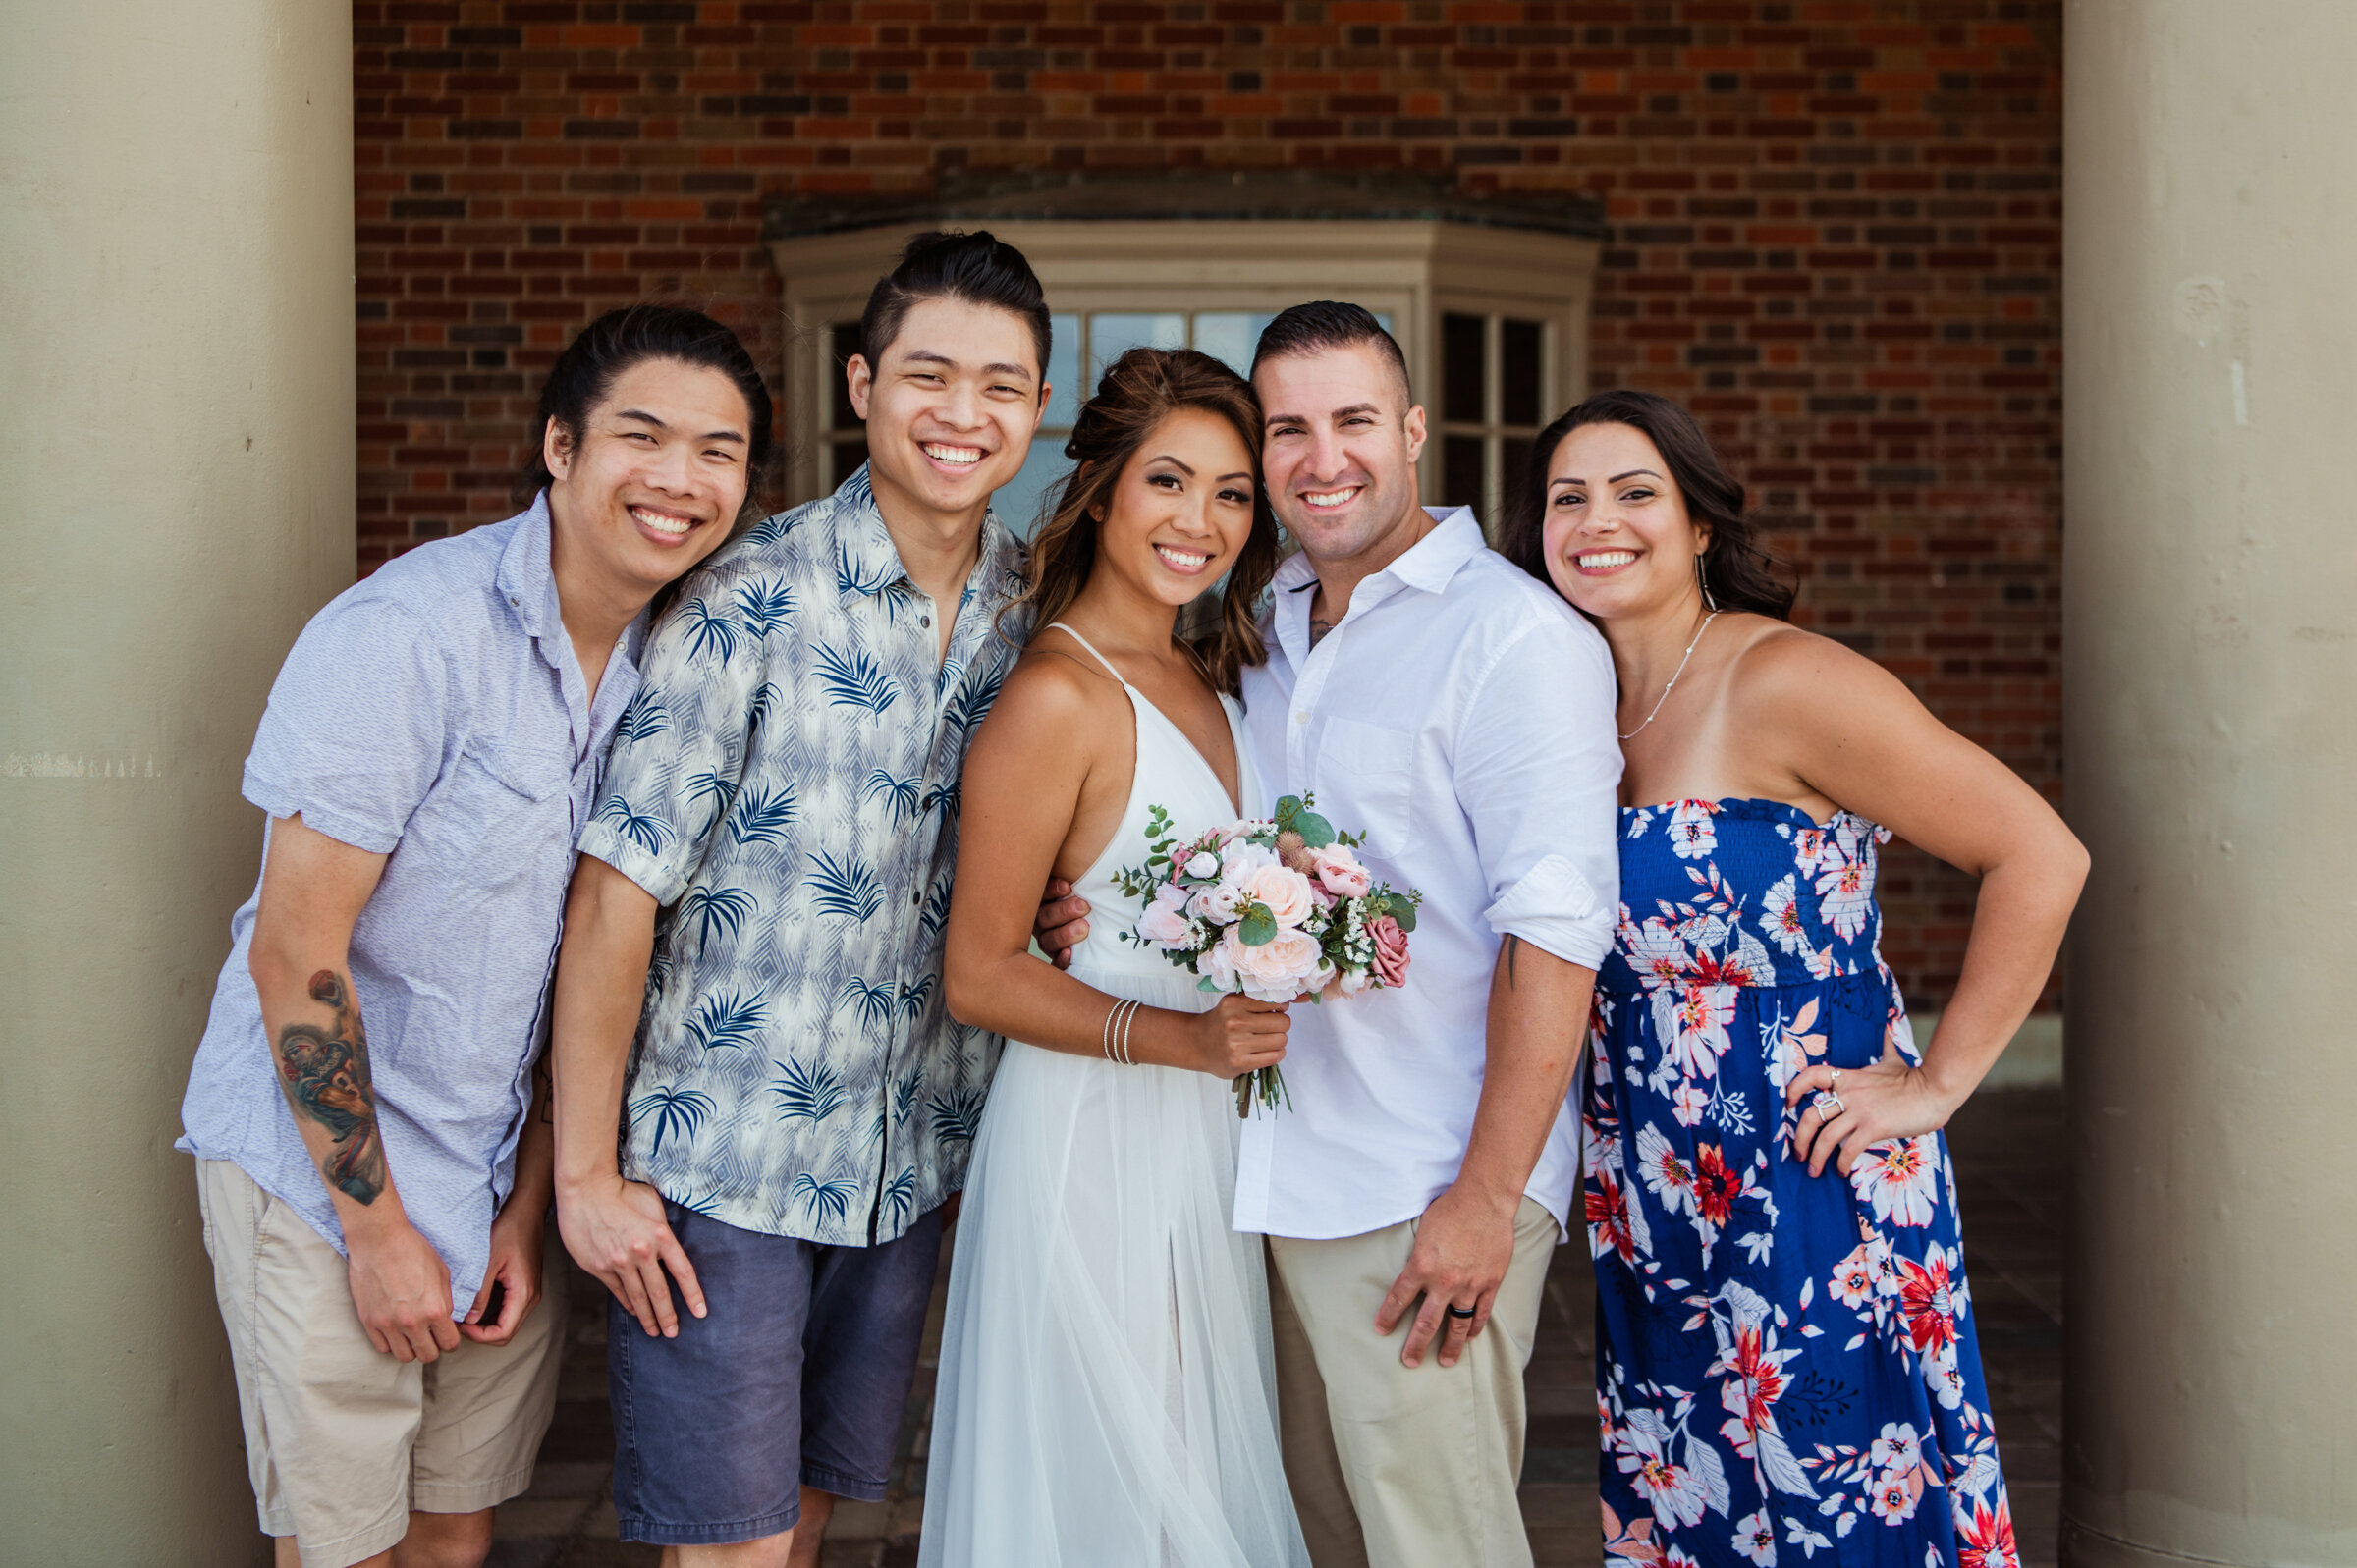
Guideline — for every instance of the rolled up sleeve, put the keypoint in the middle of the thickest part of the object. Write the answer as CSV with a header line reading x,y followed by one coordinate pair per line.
x,y
1538,775
679,757
357,726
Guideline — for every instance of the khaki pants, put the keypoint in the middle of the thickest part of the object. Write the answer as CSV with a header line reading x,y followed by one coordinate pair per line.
x,y
1392,1465
341,1442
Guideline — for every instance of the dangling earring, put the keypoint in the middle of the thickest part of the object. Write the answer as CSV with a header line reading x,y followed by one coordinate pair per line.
x,y
1702,580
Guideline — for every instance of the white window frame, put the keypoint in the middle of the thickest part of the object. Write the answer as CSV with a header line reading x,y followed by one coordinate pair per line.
x,y
1414,269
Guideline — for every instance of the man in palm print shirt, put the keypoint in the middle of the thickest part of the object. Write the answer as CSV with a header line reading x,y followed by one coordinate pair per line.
x,y
768,875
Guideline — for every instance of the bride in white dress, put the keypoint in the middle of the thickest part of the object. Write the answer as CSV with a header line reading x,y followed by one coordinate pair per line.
x,y
1107,1397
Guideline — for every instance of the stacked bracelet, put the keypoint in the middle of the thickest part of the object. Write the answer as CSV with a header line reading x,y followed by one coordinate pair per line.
x,y
1114,1040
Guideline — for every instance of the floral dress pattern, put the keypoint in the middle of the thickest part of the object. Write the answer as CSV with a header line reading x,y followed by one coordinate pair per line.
x,y
1785,1364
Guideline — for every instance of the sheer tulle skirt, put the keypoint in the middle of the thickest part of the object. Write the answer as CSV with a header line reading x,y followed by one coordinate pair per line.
x,y
1106,1391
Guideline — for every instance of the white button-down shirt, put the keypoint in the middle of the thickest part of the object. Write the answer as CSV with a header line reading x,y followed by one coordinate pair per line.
x,y
1460,716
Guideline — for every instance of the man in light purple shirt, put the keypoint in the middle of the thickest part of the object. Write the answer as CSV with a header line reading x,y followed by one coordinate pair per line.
x,y
430,753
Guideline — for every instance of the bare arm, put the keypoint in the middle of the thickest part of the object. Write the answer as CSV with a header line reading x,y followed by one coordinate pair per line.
x,y
313,888
1855,734
522,1226
614,1228
1024,782
1537,1021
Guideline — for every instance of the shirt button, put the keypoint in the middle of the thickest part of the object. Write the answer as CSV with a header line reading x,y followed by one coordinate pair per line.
x,y
925,621
916,900
1300,717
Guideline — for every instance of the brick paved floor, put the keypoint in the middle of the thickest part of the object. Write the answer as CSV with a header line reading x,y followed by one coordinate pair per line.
x,y
2008,1149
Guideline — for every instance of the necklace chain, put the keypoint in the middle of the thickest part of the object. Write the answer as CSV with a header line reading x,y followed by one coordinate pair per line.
x,y
1681,669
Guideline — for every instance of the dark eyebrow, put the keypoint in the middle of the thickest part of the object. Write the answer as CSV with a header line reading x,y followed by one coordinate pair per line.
x,y
643,417
1356,407
1164,456
1238,474
929,356
1613,480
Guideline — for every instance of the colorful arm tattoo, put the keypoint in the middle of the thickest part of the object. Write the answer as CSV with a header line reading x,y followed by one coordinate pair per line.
x,y
325,1074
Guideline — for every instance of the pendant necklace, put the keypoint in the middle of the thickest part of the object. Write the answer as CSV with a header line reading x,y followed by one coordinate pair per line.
x,y
1681,669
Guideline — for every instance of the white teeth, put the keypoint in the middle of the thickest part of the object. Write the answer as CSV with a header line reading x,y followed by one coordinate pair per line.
x,y
1605,560
1328,498
1184,560
956,455
661,523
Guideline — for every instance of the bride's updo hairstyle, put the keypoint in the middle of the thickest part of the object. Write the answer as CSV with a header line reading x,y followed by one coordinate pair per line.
x,y
1737,566
1139,390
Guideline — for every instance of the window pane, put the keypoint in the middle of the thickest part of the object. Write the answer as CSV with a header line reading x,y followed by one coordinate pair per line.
x,y
1464,369
1518,373
1230,336
842,342
1513,472
847,455
1111,335
1064,391
1021,501
1460,473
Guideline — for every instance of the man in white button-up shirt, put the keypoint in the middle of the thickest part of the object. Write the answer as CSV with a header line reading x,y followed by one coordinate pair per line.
x,y
1460,714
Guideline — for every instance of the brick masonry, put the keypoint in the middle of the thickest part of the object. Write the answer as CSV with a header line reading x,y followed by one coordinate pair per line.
x,y
1834,231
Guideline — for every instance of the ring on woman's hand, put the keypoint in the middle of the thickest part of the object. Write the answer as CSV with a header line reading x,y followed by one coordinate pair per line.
x,y
1836,1080
1828,1104
1460,1312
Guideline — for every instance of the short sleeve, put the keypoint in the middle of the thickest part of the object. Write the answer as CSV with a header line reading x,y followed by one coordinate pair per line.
x,y
680,751
1538,772
354,734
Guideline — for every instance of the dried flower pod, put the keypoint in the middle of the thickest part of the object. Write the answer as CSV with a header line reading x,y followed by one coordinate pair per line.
x,y
1294,850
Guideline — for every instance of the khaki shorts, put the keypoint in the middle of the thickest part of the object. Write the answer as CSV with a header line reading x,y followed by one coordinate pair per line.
x,y
341,1442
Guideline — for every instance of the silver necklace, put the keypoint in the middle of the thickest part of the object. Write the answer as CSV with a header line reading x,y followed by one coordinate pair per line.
x,y
1681,669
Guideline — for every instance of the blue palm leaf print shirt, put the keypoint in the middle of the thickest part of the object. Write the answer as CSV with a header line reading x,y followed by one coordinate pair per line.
x,y
786,786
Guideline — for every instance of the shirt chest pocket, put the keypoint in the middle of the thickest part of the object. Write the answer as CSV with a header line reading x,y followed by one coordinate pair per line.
x,y
498,790
1364,773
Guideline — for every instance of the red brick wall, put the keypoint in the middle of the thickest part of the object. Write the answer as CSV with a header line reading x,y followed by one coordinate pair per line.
x,y
1834,231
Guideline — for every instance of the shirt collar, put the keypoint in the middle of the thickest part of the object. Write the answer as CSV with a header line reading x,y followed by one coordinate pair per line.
x,y
867,563
1429,562
526,579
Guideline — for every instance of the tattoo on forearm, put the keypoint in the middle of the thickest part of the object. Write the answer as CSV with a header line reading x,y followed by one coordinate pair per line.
x,y
1513,945
325,1075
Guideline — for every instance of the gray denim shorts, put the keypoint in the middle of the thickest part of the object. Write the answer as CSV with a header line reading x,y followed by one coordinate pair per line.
x,y
795,1377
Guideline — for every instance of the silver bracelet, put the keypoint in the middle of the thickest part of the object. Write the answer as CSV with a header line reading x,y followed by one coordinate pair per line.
x,y
1104,1035
1127,1024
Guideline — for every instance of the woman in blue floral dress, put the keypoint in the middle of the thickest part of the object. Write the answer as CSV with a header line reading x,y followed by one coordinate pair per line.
x,y
1785,1353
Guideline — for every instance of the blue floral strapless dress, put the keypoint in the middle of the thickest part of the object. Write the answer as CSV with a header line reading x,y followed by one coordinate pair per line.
x,y
1785,1364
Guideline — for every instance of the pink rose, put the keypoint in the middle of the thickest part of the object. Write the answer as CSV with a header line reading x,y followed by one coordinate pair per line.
x,y
1340,870
1391,950
1285,891
1279,970
1214,967
1165,919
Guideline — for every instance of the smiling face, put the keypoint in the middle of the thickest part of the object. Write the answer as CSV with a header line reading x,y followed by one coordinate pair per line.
x,y
1340,443
949,406
1618,538
1181,510
654,478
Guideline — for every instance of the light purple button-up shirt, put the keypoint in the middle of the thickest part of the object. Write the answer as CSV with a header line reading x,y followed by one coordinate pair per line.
x,y
436,713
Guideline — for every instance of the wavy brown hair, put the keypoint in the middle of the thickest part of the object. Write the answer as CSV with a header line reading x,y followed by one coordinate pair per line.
x,y
1139,390
1737,566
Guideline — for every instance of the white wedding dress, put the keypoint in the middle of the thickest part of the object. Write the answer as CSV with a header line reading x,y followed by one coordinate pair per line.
x,y
1107,1396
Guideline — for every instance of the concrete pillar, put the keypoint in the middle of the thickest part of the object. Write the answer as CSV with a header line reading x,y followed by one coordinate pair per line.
x,y
2209,570
176,480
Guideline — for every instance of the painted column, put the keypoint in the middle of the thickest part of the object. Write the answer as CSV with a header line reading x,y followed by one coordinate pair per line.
x,y
2210,729
177,478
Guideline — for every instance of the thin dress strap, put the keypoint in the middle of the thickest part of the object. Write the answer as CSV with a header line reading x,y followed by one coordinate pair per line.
x,y
1057,625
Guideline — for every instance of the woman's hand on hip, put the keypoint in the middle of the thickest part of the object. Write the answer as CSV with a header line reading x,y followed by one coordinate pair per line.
x,y
1889,1099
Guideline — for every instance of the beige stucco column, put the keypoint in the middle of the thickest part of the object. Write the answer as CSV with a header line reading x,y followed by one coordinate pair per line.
x,y
2210,731
176,480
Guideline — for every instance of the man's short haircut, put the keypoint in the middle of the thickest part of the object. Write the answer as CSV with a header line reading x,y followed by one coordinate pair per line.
x,y
1324,324
978,268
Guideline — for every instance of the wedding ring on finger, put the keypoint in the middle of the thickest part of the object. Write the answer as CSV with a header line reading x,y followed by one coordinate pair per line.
x,y
1461,1313
1828,1104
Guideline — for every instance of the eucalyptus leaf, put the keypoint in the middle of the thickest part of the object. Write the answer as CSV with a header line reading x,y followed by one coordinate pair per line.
x,y
1315,831
1287,810
1258,928
1404,912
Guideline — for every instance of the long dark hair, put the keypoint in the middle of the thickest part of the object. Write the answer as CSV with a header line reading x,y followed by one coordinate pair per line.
x,y
618,339
1139,390
1737,567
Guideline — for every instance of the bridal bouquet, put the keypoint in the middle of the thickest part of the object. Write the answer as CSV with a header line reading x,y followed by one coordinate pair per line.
x,y
1280,910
